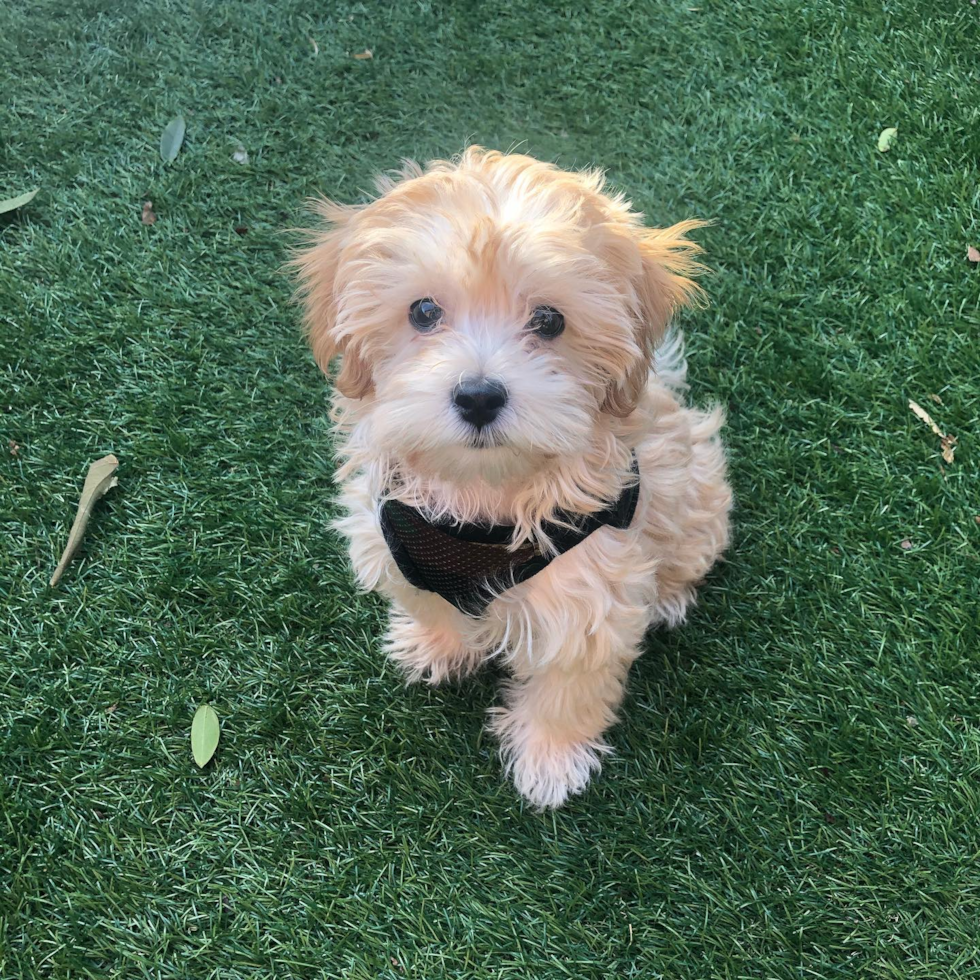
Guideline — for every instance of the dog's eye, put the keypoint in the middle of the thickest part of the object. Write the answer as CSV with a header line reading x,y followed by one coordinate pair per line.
x,y
546,322
424,314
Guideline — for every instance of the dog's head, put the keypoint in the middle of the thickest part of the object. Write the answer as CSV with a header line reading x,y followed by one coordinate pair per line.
x,y
489,312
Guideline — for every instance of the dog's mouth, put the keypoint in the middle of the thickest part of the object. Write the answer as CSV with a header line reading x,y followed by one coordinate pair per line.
x,y
486,438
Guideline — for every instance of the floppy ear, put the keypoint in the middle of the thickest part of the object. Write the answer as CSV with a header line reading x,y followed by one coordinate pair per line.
x,y
316,268
663,285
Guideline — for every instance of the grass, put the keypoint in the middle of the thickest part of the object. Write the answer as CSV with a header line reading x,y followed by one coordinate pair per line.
x,y
796,787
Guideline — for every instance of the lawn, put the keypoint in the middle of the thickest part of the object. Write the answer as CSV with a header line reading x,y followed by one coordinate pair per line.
x,y
796,788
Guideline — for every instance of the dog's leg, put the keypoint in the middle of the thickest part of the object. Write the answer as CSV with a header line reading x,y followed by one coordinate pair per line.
x,y
427,645
551,729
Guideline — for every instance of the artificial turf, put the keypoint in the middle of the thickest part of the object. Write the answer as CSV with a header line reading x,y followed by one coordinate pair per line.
x,y
796,789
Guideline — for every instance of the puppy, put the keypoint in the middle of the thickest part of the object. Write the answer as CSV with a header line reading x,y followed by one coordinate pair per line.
x,y
520,474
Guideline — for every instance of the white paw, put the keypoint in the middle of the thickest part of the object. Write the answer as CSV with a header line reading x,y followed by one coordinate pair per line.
x,y
546,767
427,654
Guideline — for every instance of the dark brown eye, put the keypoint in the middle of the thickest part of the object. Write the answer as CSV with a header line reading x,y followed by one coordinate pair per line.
x,y
546,322
424,315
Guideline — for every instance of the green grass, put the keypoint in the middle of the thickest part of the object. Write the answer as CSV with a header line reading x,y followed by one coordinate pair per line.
x,y
796,791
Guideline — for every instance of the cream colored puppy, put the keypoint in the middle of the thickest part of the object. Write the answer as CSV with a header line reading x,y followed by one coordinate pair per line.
x,y
521,476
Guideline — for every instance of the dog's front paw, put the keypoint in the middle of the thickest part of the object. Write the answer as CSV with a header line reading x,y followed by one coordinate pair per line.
x,y
425,653
546,766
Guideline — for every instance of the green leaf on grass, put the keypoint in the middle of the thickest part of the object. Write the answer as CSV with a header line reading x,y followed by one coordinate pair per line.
x,y
172,138
12,203
886,139
205,730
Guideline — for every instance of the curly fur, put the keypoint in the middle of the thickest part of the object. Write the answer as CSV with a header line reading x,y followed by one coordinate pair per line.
x,y
490,237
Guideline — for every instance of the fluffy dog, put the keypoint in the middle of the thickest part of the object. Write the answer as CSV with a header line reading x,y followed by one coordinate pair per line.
x,y
505,364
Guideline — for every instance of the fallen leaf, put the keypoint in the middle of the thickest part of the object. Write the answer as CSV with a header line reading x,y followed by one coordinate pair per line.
x,y
100,478
316,48
887,138
948,444
12,203
906,544
972,254
241,229
977,519
205,731
911,721
13,446
936,399
111,709
148,217
240,155
927,418
366,55
172,139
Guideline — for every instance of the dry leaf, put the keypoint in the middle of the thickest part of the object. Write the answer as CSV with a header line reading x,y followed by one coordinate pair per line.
x,y
111,708
936,399
240,155
906,544
947,442
241,229
972,255
948,445
927,418
316,48
911,721
148,217
13,446
365,55
100,478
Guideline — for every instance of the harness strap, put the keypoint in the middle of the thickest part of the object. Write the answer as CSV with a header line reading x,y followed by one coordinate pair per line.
x,y
469,564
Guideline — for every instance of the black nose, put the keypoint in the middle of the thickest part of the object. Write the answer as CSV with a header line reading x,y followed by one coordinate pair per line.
x,y
479,400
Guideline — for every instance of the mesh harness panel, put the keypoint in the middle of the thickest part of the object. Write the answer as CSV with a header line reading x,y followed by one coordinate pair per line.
x,y
469,564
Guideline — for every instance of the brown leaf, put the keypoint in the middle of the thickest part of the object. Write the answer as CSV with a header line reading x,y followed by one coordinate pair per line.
x,y
906,544
13,446
936,399
972,254
100,478
365,55
241,229
148,217
948,444
111,709
927,418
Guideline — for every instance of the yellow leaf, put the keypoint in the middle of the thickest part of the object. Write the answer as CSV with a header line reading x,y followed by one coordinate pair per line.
x,y
886,139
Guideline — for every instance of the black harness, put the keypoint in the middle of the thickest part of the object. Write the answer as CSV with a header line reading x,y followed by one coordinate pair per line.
x,y
470,564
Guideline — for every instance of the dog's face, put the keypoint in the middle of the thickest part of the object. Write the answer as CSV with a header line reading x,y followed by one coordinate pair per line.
x,y
489,312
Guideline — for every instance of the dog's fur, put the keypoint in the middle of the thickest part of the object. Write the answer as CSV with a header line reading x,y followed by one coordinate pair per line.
x,y
490,237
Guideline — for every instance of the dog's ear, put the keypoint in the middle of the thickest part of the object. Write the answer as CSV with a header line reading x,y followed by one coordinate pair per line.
x,y
663,285
316,267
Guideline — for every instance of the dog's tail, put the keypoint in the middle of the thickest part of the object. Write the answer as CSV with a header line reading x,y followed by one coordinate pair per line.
x,y
670,361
